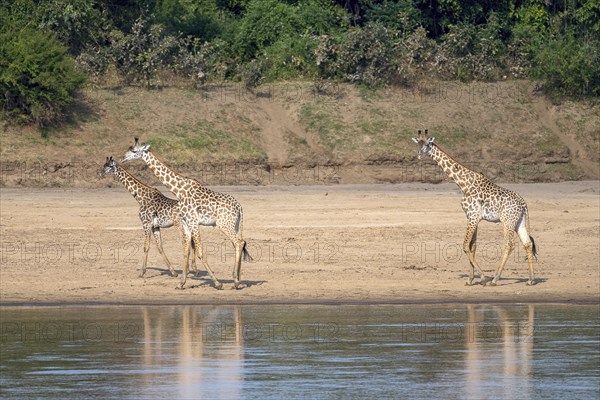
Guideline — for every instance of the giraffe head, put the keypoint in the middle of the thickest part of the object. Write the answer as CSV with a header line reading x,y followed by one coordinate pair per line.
x,y
136,151
110,166
425,143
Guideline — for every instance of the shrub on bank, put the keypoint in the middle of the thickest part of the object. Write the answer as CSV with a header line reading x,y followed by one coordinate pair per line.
x,y
38,79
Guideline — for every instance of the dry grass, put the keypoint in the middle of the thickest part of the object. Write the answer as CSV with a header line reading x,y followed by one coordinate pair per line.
x,y
502,124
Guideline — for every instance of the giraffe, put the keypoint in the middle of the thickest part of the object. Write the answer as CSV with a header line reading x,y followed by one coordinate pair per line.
x,y
484,200
156,211
200,206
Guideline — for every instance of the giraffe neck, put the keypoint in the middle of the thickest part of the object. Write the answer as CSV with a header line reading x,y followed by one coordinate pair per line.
x,y
134,186
172,180
460,174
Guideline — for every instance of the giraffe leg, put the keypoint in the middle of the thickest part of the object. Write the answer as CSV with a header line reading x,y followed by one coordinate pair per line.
x,y
186,240
529,250
469,247
158,240
529,246
193,249
239,248
146,250
185,236
198,246
509,244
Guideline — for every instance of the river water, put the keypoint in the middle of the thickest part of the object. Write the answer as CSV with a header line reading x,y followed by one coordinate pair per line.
x,y
290,351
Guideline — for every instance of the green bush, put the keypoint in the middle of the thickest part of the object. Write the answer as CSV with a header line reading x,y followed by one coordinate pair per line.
x,y
318,17
402,15
140,55
568,65
562,50
202,61
290,58
95,62
469,52
325,55
38,79
374,56
263,24
390,41
417,55
76,23
253,72
199,18
369,55
266,22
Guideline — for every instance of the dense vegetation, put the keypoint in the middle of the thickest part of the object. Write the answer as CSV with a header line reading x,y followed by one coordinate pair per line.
x,y
47,46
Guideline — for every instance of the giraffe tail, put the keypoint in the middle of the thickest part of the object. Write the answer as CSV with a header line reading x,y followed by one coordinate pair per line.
x,y
238,227
245,254
533,248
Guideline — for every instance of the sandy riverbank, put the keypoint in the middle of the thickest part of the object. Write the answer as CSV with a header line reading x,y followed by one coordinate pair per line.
x,y
311,244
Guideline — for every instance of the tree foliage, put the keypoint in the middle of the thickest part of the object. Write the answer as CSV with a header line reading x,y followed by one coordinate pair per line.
x,y
369,55
140,54
372,42
38,78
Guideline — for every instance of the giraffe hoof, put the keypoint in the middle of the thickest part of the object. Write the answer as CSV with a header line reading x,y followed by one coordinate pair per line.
x,y
179,287
174,274
492,283
218,285
469,283
530,283
239,286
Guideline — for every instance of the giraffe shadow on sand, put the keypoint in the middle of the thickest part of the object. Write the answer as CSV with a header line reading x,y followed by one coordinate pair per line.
x,y
161,272
205,280
507,281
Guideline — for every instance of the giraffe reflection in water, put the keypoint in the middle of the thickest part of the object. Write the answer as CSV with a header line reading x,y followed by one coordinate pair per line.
x,y
501,351
512,368
200,349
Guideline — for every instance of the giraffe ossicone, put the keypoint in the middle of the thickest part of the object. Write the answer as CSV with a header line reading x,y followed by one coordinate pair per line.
x,y
484,200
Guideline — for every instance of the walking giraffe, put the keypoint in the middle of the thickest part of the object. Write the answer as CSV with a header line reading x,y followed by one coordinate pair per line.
x,y
156,211
199,206
483,199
